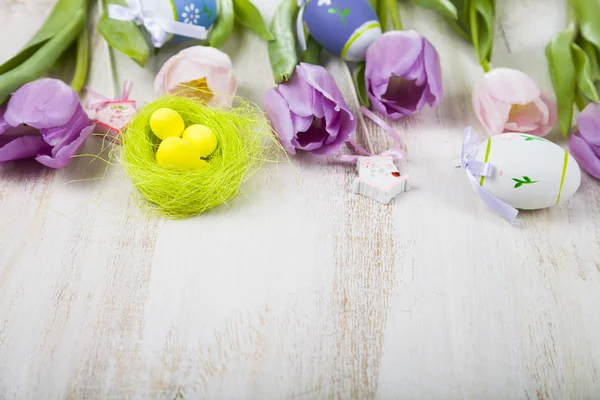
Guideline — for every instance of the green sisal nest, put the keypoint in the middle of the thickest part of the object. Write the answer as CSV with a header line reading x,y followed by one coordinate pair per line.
x,y
241,133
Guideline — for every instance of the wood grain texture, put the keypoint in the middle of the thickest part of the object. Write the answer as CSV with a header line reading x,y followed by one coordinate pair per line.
x,y
301,290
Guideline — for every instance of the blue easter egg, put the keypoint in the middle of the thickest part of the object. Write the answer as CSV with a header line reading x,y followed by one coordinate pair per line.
x,y
343,27
195,12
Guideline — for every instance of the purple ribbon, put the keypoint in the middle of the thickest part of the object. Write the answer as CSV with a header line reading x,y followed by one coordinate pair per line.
x,y
478,168
397,152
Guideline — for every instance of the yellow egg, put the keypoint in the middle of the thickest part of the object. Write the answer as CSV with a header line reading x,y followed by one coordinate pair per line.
x,y
202,138
166,123
176,153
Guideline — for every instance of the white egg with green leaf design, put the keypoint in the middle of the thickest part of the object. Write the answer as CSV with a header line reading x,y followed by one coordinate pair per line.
x,y
530,172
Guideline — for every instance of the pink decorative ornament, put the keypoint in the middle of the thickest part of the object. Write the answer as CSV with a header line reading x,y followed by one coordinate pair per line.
x,y
379,179
507,100
112,116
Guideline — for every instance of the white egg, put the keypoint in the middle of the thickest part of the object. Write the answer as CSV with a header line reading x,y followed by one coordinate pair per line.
x,y
530,172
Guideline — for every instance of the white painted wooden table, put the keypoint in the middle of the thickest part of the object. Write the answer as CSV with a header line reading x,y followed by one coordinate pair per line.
x,y
301,290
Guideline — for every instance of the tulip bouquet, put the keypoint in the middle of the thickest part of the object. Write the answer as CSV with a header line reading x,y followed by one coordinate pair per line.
x,y
43,118
574,58
306,109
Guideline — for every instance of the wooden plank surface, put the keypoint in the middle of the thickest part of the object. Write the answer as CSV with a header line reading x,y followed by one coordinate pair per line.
x,y
301,290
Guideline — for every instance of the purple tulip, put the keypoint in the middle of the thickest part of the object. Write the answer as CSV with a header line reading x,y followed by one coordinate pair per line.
x,y
309,112
402,74
584,143
52,108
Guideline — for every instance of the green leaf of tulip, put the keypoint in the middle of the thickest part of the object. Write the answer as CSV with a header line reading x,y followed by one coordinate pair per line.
x,y
481,21
444,7
282,50
249,16
563,75
585,81
361,86
43,59
593,56
124,36
223,25
588,17
61,15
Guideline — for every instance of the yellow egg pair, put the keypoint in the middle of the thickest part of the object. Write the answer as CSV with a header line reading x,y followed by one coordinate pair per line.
x,y
181,148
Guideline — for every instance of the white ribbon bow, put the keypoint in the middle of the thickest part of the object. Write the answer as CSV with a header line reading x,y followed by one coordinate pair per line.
x,y
159,29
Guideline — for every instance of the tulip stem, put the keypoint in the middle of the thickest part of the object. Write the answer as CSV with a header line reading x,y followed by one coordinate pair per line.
x,y
394,14
485,65
312,55
82,61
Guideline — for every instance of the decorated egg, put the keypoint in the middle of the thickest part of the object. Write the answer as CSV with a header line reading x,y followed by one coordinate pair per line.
x,y
343,27
194,12
530,172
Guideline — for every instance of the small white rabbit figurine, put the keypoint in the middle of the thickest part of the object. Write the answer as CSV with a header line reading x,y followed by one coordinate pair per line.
x,y
379,179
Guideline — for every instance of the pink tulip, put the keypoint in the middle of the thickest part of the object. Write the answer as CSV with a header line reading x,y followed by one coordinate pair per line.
x,y
204,68
507,100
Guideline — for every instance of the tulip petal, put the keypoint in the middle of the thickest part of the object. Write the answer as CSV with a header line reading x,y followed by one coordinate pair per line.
x,y
301,124
491,112
402,74
511,86
588,124
524,118
434,73
159,82
383,60
62,156
3,124
313,138
278,113
206,55
194,64
42,104
23,147
322,81
62,135
584,155
299,95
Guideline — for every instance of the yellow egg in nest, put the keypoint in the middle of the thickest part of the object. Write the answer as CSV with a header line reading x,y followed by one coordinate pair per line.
x,y
166,123
202,138
178,154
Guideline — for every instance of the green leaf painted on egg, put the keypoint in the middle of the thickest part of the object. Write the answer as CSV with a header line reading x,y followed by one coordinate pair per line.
x,y
524,181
